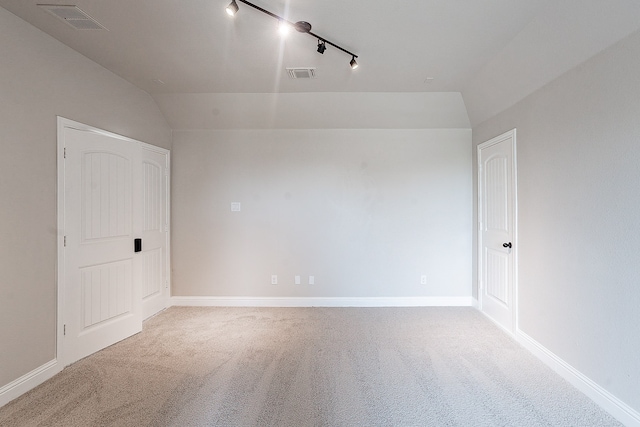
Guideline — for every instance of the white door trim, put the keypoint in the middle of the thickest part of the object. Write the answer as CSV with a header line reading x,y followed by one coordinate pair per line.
x,y
62,124
500,138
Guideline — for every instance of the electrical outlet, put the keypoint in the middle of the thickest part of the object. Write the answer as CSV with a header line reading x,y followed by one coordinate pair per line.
x,y
423,279
274,279
312,280
297,280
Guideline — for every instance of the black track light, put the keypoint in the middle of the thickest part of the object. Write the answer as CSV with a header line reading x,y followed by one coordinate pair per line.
x,y
232,9
321,46
300,26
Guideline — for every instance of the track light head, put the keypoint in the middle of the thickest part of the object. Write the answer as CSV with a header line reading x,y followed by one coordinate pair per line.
x,y
353,63
232,9
321,46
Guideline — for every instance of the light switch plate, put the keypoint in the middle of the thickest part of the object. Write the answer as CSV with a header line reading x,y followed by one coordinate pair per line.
x,y
297,280
236,206
312,280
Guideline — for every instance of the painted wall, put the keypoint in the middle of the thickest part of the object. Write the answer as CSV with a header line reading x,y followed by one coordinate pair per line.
x,y
314,110
578,142
562,35
39,79
366,212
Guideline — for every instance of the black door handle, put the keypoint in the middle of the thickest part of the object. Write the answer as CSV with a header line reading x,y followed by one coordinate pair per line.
x,y
506,245
137,245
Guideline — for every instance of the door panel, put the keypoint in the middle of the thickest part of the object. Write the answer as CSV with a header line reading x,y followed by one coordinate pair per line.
x,y
496,185
496,216
152,267
153,189
106,195
106,292
497,272
102,274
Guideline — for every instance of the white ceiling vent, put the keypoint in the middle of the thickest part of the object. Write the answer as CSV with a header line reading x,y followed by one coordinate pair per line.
x,y
72,15
302,73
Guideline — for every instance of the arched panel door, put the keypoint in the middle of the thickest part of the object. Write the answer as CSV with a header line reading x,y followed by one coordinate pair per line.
x,y
114,262
103,275
496,216
155,230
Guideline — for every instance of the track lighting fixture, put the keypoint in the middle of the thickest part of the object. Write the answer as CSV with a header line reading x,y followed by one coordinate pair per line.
x,y
321,46
300,26
232,9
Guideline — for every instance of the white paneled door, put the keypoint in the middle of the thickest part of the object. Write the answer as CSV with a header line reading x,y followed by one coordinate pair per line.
x,y
496,220
103,274
155,228
115,191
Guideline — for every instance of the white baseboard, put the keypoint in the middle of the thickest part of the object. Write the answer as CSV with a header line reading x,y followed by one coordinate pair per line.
x,y
495,322
28,381
614,406
321,302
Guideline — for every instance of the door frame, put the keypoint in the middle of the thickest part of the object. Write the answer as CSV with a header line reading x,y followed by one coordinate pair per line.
x,y
62,124
479,255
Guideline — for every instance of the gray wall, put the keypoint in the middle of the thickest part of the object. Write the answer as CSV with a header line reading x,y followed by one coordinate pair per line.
x,y
39,79
364,211
578,142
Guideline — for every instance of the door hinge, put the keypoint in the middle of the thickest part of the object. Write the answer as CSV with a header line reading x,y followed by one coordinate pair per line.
x,y
65,241
166,172
64,330
64,152
166,283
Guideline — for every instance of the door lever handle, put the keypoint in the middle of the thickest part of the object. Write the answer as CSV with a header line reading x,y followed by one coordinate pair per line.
x,y
137,245
506,245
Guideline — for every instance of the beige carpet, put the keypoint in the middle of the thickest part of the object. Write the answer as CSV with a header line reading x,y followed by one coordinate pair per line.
x,y
309,367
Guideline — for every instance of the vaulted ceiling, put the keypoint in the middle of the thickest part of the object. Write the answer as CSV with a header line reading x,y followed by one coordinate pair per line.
x,y
190,54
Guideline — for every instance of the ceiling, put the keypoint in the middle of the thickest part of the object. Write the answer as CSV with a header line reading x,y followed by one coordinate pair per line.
x,y
494,52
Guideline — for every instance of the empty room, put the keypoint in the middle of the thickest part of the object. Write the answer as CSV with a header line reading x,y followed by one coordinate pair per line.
x,y
304,213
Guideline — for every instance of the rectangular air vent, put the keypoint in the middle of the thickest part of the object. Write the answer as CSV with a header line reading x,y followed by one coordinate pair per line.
x,y
73,16
302,73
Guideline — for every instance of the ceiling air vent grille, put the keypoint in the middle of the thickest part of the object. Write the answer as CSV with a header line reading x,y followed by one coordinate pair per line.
x,y
73,16
302,73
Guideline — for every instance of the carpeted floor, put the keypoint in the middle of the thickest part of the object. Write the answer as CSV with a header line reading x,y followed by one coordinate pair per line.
x,y
309,367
